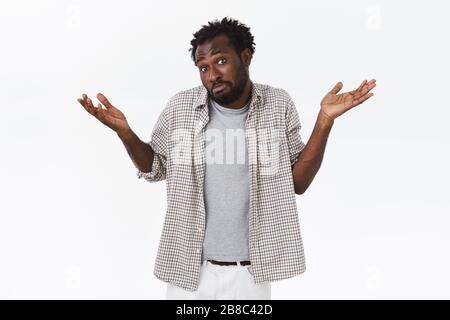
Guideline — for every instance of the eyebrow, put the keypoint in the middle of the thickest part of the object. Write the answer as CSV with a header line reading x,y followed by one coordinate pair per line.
x,y
214,52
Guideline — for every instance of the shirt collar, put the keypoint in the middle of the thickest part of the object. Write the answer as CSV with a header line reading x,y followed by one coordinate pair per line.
x,y
203,97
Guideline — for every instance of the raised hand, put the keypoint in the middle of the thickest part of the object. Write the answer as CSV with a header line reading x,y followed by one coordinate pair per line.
x,y
334,104
111,117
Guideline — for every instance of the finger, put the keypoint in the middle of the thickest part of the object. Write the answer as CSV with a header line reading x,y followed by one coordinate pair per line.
x,y
361,85
93,109
369,86
364,98
104,117
89,102
336,88
89,105
357,92
104,101
85,106
364,90
85,97
81,101
100,113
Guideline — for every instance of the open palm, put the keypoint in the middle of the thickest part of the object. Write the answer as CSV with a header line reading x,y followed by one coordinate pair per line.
x,y
334,104
111,116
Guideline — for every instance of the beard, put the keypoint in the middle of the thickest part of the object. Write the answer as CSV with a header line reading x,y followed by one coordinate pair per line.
x,y
236,91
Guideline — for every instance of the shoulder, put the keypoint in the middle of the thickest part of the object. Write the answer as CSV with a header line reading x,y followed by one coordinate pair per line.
x,y
183,101
274,98
187,96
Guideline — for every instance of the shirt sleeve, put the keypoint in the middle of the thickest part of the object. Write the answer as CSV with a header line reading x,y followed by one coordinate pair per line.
x,y
158,142
293,126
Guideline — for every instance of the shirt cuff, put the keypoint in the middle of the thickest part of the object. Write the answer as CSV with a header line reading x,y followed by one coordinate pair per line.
x,y
300,148
156,173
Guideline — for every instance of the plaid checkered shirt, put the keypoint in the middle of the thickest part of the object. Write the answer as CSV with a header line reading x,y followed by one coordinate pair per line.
x,y
273,144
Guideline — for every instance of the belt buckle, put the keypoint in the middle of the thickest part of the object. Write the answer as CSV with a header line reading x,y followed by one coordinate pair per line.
x,y
226,263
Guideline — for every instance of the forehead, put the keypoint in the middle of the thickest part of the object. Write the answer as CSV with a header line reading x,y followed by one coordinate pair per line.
x,y
219,43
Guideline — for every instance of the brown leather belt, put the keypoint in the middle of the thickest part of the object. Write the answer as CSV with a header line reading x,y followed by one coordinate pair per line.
x,y
232,263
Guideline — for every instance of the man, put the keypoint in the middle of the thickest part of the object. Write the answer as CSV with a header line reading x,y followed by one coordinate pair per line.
x,y
231,226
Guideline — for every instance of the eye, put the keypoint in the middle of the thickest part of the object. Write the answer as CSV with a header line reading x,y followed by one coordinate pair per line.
x,y
202,69
222,59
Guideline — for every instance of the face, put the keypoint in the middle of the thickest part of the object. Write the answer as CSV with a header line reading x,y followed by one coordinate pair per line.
x,y
223,72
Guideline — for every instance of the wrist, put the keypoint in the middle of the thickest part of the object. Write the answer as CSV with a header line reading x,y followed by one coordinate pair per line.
x,y
125,134
324,118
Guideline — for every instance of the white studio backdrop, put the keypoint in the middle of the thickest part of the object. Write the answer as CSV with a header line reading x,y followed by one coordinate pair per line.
x,y
76,223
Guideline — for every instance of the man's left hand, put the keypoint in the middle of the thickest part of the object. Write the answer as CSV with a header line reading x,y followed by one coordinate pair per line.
x,y
334,104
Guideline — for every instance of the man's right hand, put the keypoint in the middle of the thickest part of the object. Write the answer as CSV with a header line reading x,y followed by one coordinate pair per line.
x,y
111,117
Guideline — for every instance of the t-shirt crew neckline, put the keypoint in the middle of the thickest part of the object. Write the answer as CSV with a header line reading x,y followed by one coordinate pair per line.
x,y
230,110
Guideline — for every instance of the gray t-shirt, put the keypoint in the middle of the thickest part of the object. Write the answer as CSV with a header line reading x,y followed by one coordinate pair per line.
x,y
226,188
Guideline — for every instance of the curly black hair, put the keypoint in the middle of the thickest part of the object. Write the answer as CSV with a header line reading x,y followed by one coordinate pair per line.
x,y
238,33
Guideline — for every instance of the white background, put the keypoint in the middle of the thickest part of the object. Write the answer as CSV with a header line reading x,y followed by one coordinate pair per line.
x,y
75,222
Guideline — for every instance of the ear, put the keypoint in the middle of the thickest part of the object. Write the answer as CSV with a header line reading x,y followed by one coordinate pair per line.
x,y
246,56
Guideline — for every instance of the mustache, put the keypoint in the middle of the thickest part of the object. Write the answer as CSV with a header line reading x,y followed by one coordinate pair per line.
x,y
218,83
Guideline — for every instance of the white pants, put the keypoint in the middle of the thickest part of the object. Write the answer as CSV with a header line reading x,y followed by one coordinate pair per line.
x,y
222,283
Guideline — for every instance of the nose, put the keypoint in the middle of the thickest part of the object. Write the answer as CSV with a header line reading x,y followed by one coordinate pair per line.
x,y
214,75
